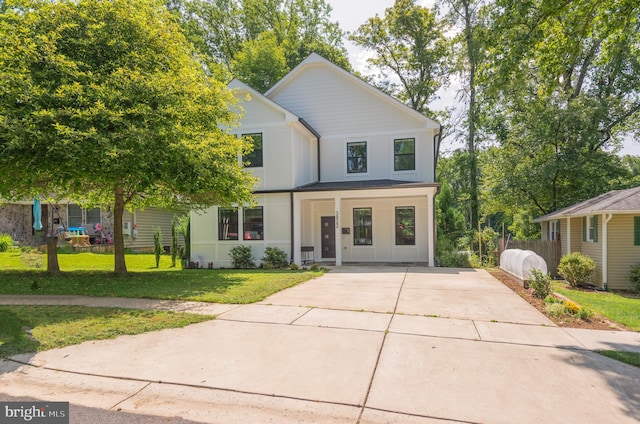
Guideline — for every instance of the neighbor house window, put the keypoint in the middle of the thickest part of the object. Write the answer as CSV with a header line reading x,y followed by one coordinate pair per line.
x,y
227,224
362,226
404,150
590,228
405,226
636,230
78,217
253,224
357,157
254,159
554,230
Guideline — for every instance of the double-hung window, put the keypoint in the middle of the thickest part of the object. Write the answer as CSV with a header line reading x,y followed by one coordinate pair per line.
x,y
590,228
362,227
253,224
405,226
227,224
404,151
254,159
357,157
78,216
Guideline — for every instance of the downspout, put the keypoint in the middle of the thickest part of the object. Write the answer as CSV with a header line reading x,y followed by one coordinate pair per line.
x,y
437,139
606,217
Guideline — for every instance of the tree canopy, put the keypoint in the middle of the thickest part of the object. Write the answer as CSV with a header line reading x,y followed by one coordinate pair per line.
x,y
104,102
259,41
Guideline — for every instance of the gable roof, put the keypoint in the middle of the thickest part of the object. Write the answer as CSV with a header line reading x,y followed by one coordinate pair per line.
x,y
616,201
236,85
315,60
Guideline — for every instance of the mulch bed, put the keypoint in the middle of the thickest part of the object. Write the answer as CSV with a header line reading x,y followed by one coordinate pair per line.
x,y
596,322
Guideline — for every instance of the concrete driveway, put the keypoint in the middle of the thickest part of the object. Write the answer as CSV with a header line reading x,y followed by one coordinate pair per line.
x,y
357,345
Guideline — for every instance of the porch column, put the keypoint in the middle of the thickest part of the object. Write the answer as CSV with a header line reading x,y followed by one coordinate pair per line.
x,y
336,202
568,235
606,217
296,219
431,232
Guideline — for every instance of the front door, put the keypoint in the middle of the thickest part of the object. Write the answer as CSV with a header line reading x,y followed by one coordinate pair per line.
x,y
328,234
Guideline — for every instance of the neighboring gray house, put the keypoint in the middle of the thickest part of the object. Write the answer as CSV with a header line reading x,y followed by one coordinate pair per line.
x,y
16,219
606,228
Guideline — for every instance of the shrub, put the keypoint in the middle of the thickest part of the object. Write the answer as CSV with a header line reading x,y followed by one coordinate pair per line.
x,y
576,268
294,266
571,307
540,283
5,242
175,249
275,258
455,260
242,257
315,267
634,278
551,299
584,314
157,244
555,309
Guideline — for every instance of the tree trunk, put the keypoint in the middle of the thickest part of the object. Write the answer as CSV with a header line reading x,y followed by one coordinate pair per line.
x,y
118,237
52,255
473,116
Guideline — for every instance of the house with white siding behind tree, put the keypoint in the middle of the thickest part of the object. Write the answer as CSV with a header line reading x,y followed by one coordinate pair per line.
x,y
345,174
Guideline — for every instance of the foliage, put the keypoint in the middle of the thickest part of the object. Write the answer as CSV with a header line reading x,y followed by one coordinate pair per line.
x,y
5,242
174,240
58,326
540,283
618,307
450,220
562,82
104,102
576,268
184,228
294,266
555,310
275,257
409,46
157,244
260,41
633,276
242,257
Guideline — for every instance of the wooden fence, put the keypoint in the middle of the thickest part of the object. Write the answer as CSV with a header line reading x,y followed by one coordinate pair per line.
x,y
550,251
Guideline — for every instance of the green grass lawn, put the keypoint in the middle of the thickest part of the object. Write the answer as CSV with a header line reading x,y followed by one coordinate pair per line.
x,y
90,274
631,358
621,308
59,326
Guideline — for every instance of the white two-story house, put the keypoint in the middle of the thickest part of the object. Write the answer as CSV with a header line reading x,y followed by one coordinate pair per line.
x,y
345,174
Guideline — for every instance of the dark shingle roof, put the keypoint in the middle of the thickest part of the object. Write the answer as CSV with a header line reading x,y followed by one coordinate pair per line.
x,y
613,201
361,185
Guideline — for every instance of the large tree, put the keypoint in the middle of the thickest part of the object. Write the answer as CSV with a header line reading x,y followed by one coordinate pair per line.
x,y
410,53
103,101
259,41
565,87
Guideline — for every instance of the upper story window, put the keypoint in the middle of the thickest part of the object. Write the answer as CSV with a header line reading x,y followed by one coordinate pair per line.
x,y
362,226
357,157
253,224
405,226
227,224
590,228
404,150
254,159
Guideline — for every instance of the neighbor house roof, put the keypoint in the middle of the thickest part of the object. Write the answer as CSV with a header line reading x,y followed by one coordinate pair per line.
x,y
616,201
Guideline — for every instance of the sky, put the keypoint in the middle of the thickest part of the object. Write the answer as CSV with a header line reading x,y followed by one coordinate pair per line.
x,y
353,13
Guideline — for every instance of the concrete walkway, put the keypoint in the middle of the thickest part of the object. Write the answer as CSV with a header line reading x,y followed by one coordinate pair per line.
x,y
357,345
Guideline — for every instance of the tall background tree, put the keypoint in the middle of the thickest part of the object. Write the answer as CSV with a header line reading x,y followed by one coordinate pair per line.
x,y
410,53
259,41
564,84
104,102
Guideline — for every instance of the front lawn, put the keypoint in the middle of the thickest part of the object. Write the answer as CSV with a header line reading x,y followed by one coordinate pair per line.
x,y
58,326
618,307
90,274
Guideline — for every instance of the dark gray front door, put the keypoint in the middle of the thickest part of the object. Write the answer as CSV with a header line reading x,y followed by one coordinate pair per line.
x,y
328,234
